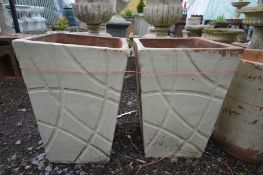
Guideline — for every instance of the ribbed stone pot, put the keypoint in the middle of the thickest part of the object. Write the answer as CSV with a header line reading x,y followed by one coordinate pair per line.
x,y
239,128
183,84
94,13
223,35
74,84
162,14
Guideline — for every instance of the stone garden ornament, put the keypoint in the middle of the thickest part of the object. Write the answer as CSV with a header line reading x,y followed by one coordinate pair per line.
x,y
94,13
120,5
162,14
254,17
5,19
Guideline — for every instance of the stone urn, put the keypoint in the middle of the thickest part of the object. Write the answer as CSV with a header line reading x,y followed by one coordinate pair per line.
x,y
162,14
74,83
94,13
239,128
254,17
224,35
183,83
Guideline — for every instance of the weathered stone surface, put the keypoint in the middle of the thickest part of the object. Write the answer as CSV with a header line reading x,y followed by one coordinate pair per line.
x,y
194,30
183,85
5,24
194,21
254,17
161,14
239,127
94,13
74,92
222,34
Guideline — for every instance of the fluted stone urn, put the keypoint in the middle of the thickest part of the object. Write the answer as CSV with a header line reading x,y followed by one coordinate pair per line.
x,y
161,14
254,17
94,13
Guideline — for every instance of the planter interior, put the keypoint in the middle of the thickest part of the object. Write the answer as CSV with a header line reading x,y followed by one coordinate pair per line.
x,y
183,83
80,40
180,43
239,127
74,94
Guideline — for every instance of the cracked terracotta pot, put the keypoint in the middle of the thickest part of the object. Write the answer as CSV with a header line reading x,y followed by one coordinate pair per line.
x,y
183,85
74,84
239,130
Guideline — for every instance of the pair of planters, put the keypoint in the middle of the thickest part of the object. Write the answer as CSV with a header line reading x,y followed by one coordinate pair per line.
x,y
74,83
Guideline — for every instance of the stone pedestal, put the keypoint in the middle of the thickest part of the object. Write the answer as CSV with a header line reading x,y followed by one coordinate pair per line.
x,y
257,38
118,29
5,18
141,26
254,17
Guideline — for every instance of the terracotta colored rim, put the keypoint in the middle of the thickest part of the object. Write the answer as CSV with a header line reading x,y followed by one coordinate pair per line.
x,y
88,41
253,55
205,44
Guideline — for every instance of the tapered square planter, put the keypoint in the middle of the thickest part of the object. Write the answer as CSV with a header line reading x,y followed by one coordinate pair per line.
x,y
183,85
74,83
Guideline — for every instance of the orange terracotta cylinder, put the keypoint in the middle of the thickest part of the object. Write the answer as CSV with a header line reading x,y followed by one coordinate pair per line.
x,y
239,130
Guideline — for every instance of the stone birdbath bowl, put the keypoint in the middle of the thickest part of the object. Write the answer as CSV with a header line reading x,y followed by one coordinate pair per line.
x,y
240,4
183,85
225,35
74,84
239,127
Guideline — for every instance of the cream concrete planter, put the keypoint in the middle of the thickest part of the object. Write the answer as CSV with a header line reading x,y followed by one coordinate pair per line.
x,y
239,128
75,91
183,85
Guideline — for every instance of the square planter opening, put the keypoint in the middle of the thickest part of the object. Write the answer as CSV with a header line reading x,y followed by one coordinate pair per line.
x,y
183,84
74,83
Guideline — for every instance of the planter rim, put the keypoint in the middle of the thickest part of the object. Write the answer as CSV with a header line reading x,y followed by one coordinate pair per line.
x,y
140,45
223,31
253,56
34,40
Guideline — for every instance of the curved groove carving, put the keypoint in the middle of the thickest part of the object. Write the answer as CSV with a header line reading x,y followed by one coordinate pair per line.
x,y
194,130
